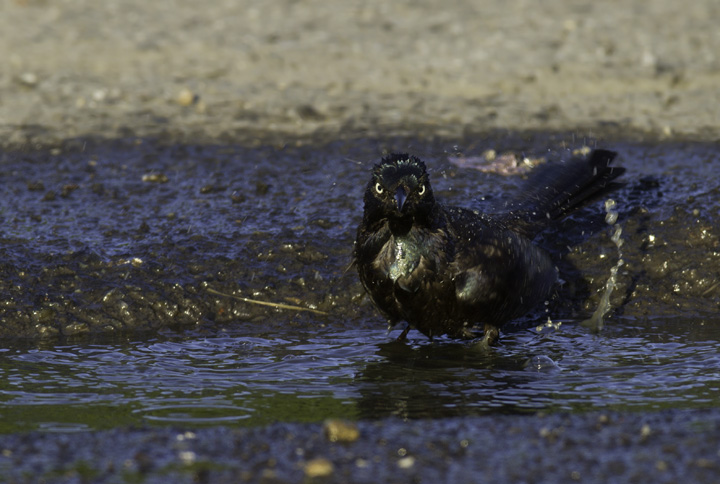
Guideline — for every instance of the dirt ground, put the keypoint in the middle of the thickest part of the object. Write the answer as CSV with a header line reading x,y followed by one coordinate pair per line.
x,y
666,447
234,71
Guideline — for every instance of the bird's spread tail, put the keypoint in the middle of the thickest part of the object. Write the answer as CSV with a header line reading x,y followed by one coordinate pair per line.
x,y
555,189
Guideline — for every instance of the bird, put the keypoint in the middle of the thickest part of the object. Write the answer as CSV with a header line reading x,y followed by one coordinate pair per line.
x,y
445,270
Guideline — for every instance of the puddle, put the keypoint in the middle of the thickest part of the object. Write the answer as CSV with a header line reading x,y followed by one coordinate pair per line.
x,y
301,376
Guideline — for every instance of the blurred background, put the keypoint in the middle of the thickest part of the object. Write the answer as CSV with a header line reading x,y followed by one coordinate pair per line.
x,y
231,69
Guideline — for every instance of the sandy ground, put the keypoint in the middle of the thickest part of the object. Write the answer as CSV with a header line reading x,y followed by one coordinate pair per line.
x,y
230,70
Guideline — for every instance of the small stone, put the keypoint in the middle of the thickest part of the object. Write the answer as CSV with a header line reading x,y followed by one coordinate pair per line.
x,y
406,462
212,189
341,431
155,178
68,189
29,79
186,97
320,467
99,95
187,457
308,112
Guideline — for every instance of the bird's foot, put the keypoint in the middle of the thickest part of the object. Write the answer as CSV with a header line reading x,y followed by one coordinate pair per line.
x,y
491,336
403,335
489,339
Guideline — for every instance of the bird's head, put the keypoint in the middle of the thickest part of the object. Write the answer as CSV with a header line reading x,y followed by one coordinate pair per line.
x,y
399,189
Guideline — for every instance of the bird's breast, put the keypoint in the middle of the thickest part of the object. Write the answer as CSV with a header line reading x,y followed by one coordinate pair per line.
x,y
404,259
399,257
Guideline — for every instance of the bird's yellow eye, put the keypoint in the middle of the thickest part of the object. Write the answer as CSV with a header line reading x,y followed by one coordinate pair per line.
x,y
379,188
421,192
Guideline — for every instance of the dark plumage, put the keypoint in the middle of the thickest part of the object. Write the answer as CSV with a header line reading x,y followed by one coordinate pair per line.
x,y
445,269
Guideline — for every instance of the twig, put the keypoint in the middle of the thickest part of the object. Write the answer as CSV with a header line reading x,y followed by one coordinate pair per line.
x,y
265,303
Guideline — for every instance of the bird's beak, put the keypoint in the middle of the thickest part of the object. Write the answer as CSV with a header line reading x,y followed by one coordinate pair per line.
x,y
400,197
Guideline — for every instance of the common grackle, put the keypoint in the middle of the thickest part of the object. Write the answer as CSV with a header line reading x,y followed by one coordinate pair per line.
x,y
444,269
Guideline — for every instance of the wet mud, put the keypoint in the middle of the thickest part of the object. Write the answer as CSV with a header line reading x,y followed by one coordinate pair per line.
x,y
130,236
139,235
662,447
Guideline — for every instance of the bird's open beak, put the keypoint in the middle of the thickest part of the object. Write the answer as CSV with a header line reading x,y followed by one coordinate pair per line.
x,y
400,197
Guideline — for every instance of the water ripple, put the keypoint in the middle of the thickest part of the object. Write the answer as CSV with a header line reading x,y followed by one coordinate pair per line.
x,y
252,379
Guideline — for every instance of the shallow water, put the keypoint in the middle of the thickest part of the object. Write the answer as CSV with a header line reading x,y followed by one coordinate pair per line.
x,y
255,379
111,271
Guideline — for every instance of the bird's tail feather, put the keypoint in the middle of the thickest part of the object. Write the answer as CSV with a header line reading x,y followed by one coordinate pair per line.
x,y
556,189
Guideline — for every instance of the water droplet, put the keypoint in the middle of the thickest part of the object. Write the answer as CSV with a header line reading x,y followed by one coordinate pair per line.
x,y
541,363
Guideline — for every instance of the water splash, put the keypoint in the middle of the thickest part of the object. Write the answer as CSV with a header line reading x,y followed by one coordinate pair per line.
x,y
549,326
597,320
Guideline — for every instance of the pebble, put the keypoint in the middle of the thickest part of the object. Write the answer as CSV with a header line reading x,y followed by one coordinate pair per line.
x,y
320,467
186,97
29,79
155,178
341,431
406,462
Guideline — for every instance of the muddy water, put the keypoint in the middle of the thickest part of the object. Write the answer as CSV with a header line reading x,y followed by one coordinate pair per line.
x,y
292,376
108,250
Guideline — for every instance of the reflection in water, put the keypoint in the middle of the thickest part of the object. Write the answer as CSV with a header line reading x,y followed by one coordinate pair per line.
x,y
442,380
254,379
